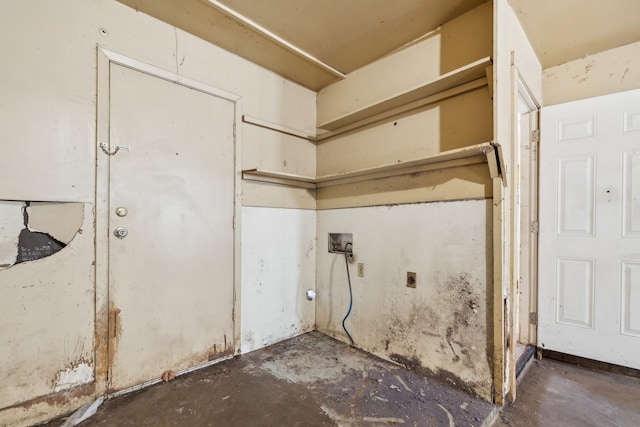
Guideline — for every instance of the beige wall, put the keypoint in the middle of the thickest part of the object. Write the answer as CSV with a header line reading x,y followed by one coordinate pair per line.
x,y
48,117
415,327
453,45
426,131
607,72
439,327
523,56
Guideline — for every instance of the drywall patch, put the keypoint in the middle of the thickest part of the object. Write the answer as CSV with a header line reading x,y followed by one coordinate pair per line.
x,y
62,221
33,230
34,245
74,375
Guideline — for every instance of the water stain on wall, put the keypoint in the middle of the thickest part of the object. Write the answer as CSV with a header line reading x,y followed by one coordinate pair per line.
x,y
219,351
447,338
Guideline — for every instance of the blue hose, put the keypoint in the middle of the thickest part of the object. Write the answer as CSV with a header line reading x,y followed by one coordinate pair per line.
x,y
346,262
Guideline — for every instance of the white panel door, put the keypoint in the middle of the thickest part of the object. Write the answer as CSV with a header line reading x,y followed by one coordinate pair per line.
x,y
171,277
589,260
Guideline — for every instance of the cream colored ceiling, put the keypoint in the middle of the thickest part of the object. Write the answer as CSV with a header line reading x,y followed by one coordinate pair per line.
x,y
563,30
347,34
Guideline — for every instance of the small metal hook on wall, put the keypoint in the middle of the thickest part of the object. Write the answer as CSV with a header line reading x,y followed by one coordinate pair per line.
x,y
106,151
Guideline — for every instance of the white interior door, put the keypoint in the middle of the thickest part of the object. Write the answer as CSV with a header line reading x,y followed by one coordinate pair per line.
x,y
589,262
171,276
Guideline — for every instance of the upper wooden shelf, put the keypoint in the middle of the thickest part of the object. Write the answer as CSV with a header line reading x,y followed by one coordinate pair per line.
x,y
474,154
460,76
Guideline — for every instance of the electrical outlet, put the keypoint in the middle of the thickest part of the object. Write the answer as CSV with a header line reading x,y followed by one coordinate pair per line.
x,y
360,269
411,279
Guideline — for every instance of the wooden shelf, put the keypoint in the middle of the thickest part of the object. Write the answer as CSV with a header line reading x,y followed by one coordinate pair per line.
x,y
474,154
279,178
460,76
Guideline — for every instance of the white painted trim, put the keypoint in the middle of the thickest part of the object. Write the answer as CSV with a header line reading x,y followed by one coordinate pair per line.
x,y
534,106
275,38
497,293
159,380
237,225
511,313
519,89
134,388
525,92
101,215
152,70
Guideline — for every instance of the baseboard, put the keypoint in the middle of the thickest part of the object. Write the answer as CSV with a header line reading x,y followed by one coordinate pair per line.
x,y
524,359
590,363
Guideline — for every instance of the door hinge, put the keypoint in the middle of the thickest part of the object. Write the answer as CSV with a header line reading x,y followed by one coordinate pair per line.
x,y
533,318
535,136
535,227
234,129
234,222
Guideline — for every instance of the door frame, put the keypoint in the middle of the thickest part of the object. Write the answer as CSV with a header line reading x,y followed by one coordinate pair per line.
x,y
519,88
103,311
531,255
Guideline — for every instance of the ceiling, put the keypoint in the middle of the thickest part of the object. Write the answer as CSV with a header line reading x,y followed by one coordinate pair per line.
x,y
348,34
344,35
563,30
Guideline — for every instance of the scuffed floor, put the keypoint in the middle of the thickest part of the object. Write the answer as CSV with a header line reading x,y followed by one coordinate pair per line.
x,y
558,394
310,380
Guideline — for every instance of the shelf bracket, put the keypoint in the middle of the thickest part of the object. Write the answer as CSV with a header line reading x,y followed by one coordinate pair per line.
x,y
495,162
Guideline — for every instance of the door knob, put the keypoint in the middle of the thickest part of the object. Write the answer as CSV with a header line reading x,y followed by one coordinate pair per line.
x,y
120,232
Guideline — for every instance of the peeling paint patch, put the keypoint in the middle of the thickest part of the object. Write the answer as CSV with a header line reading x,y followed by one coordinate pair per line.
x,y
34,245
76,374
46,228
60,220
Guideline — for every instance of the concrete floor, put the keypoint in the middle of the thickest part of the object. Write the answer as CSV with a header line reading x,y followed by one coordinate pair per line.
x,y
559,394
310,380
314,380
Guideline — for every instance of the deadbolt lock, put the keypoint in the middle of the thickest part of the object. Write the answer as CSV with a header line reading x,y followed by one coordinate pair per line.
x,y
121,211
120,232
